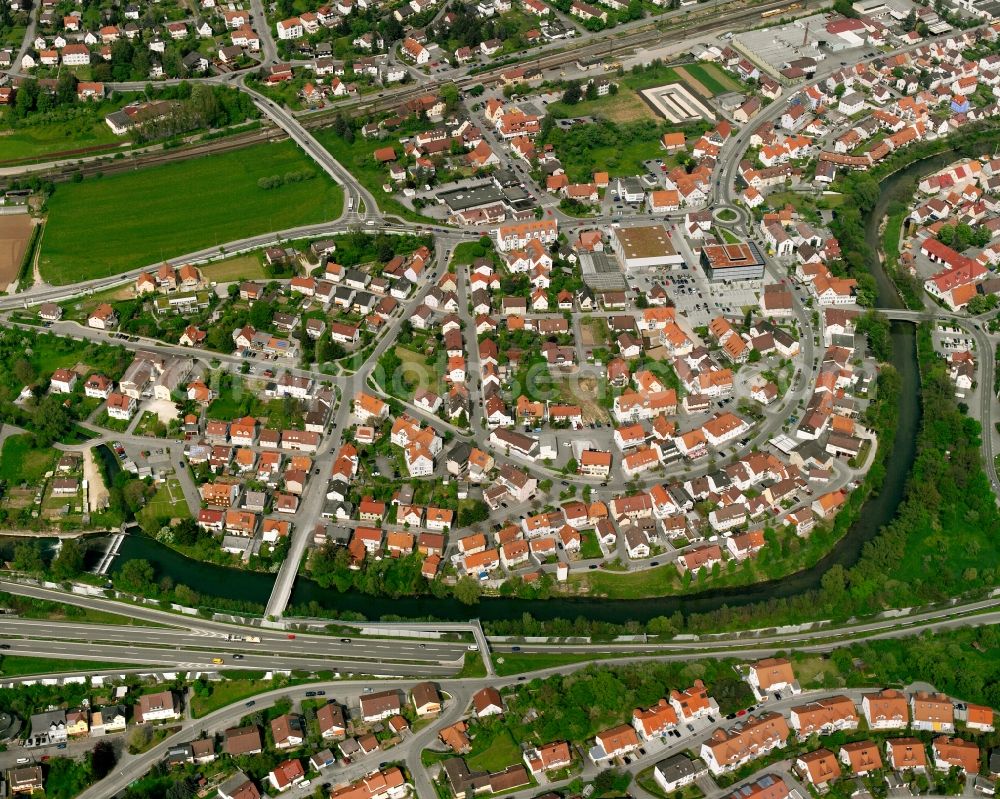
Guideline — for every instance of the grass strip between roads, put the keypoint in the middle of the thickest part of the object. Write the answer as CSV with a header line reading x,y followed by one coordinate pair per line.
x,y
509,663
25,665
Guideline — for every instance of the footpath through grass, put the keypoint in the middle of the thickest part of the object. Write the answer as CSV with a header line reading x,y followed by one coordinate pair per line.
x,y
132,219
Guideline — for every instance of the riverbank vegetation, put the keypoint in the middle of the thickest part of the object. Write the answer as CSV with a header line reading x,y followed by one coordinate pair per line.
x,y
944,541
138,577
785,552
861,191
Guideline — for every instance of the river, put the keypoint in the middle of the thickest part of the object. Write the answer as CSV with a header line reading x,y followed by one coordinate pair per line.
x,y
880,509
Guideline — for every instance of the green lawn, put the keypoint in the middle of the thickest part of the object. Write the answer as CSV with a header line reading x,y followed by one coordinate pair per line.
x,y
626,106
239,267
713,78
473,667
422,375
589,546
658,581
651,75
618,149
165,211
21,462
226,692
520,662
496,754
167,502
21,665
467,252
40,140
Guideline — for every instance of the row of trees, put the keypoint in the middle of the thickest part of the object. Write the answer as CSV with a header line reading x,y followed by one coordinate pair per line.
x,y
31,98
330,567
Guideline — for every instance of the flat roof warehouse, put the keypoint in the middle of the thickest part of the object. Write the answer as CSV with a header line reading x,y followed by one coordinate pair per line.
x,y
645,242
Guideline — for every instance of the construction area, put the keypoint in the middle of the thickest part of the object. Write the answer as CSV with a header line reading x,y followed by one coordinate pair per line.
x,y
676,104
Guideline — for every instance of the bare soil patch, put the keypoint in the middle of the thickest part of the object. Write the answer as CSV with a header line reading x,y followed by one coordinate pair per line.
x,y
583,391
15,231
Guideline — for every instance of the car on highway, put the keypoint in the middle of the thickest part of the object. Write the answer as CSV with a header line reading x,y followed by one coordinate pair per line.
x,y
237,656
251,703
218,661
290,636
310,693
345,640
4,646
473,647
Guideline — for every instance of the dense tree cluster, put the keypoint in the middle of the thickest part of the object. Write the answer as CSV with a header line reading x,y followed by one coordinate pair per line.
x,y
195,108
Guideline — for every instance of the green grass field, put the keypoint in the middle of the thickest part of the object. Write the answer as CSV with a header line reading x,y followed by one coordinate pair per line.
x,y
713,78
626,106
138,218
589,546
37,141
239,267
168,501
473,668
658,581
20,462
22,665
496,755
519,662
424,376
620,149
225,693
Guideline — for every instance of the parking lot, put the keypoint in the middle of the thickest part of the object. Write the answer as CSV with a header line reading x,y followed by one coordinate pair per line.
x,y
695,297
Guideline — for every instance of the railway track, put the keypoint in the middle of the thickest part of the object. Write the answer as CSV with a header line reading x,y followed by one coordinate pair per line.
x,y
128,163
653,33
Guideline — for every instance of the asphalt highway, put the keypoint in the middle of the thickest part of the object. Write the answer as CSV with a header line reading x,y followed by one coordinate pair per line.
x,y
214,643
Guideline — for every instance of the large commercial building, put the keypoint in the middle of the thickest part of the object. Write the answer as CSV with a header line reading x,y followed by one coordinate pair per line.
x,y
644,247
741,261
